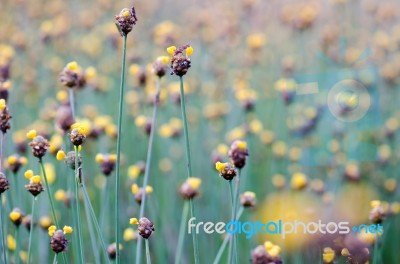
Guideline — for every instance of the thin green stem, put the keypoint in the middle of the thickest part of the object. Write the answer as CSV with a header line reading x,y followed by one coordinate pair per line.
x,y
55,259
18,243
376,250
78,218
189,166
91,233
117,178
181,238
226,240
235,205
146,241
31,230
96,223
72,101
148,163
231,241
4,246
53,212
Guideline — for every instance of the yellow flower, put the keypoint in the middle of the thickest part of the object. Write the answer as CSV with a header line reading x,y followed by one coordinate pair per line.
x,y
189,51
52,229
268,245
112,157
163,59
133,221
133,172
23,160
82,127
135,188
62,96
328,255
129,234
67,230
11,160
55,143
299,181
99,158
14,216
219,166
242,144
73,66
2,104
140,121
249,194
345,252
11,243
28,174
375,203
194,182
60,195
35,179
126,13
31,134
274,251
45,222
60,155
171,50
149,189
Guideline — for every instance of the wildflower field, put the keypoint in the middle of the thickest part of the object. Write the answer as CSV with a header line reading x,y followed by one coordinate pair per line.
x,y
171,131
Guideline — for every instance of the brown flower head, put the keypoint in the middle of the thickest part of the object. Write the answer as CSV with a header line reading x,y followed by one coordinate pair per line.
x,y
35,187
16,216
4,185
248,199
72,76
226,170
39,146
180,61
125,20
145,227
64,118
107,162
58,242
238,153
4,117
190,188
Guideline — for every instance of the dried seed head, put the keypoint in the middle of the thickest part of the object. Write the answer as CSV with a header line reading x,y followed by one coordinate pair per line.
x,y
72,76
377,213
58,242
138,192
70,160
248,199
107,163
16,216
125,20
77,137
180,61
39,146
4,117
112,250
160,66
226,170
15,162
64,118
238,153
190,188
26,221
4,185
35,187
145,227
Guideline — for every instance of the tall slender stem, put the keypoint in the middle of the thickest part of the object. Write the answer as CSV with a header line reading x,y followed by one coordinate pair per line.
x,y
16,252
235,205
231,241
96,223
72,101
117,178
147,169
31,230
227,238
92,234
189,165
53,212
2,152
148,259
78,218
181,238
4,246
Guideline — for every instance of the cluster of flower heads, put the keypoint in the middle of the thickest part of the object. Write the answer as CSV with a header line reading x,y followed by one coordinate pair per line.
x,y
268,253
58,241
238,153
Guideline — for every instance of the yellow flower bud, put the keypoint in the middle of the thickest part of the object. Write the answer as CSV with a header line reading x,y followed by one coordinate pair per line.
x,y
189,51
23,160
328,255
299,181
51,230
219,166
133,221
67,230
171,50
242,145
28,174
11,243
14,216
194,182
11,160
112,157
129,234
60,195
99,158
73,66
135,188
31,134
149,189
60,155
35,179
2,104
163,59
